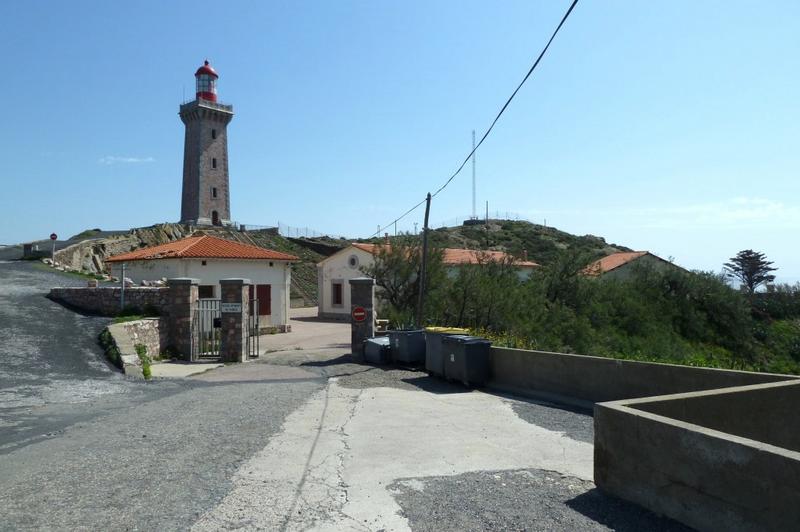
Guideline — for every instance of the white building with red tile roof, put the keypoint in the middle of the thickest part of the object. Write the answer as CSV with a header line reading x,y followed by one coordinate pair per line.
x,y
210,259
334,273
621,265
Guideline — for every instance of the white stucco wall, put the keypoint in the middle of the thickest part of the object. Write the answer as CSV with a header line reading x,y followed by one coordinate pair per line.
x,y
337,268
279,276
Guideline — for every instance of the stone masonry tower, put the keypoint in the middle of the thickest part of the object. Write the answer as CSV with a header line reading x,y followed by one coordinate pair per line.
x,y
206,190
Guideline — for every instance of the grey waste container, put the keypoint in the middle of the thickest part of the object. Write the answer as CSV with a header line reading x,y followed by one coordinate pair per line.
x,y
466,359
377,350
408,347
434,357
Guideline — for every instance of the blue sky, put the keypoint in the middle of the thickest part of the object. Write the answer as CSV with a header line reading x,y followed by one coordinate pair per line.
x,y
670,126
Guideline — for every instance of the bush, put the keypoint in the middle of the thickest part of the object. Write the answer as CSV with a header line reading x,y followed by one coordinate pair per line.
x,y
141,351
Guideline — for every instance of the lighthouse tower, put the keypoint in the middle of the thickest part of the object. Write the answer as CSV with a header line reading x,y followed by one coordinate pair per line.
x,y
206,192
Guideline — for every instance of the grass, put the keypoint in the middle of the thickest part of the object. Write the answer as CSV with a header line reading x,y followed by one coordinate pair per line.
x,y
125,319
141,351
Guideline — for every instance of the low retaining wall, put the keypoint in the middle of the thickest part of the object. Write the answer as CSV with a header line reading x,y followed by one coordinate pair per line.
x,y
150,332
589,379
714,460
105,301
714,449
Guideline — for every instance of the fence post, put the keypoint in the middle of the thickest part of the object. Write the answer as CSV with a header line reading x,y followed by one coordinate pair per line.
x,y
235,309
182,299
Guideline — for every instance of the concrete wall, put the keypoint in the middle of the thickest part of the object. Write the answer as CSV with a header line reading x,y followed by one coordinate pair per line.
x,y
105,301
699,476
595,379
765,412
278,275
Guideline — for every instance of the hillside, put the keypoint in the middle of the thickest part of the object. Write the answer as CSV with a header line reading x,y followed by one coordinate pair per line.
x,y
541,243
89,255
88,250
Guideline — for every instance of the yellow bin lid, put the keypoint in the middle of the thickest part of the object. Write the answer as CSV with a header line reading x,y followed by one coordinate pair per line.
x,y
446,330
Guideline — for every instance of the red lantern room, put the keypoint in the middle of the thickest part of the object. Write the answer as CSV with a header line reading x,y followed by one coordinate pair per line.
x,y
206,83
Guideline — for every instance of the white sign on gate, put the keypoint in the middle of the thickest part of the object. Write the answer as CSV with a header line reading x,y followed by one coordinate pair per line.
x,y
230,308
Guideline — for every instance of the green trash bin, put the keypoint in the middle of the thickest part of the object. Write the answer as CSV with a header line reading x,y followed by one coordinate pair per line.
x,y
467,359
434,357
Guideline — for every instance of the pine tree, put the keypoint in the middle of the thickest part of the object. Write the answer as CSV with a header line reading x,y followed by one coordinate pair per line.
x,y
751,268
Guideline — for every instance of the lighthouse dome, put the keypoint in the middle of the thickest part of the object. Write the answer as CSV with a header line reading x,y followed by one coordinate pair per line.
x,y
206,69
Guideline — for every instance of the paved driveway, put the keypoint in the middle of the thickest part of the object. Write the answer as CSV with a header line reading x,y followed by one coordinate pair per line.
x,y
308,333
302,439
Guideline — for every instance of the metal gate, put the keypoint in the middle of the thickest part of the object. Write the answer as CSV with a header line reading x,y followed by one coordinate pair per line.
x,y
206,330
252,332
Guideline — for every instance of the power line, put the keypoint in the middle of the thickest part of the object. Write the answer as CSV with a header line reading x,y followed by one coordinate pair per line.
x,y
496,118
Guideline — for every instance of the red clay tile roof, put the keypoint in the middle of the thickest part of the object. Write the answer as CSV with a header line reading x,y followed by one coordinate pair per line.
x,y
611,262
203,247
454,256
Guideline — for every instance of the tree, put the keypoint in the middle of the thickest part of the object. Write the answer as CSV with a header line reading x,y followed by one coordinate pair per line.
x,y
396,272
751,268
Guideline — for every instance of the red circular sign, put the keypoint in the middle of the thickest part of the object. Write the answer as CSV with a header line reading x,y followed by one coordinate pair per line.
x,y
359,314
53,236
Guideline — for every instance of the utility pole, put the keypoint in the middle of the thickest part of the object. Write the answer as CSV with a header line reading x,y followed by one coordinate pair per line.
x,y
122,291
474,212
424,266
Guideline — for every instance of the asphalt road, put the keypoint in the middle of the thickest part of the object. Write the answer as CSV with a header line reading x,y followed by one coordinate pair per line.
x,y
295,441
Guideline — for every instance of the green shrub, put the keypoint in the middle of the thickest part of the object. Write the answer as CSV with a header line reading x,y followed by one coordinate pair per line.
x,y
141,351
110,348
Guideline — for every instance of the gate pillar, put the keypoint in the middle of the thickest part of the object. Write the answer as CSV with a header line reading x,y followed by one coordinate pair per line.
x,y
234,307
362,314
182,298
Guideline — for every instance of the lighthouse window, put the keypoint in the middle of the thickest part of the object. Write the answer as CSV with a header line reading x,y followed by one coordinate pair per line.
x,y
214,162
213,192
213,133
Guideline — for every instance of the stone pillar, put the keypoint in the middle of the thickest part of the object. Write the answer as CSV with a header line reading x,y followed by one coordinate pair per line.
x,y
235,307
362,305
181,301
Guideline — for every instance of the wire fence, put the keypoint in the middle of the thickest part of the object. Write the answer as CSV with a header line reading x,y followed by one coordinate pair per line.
x,y
493,215
287,230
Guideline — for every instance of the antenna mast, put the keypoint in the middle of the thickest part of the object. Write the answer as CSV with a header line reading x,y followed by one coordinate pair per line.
x,y
474,212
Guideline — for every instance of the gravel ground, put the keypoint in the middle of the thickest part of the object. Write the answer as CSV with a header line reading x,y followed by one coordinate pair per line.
x,y
529,499
575,423
156,467
83,447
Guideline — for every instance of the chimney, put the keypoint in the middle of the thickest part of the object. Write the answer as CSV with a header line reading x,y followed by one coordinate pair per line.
x,y
386,238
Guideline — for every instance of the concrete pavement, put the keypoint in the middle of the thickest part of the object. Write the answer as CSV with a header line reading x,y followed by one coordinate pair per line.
x,y
364,440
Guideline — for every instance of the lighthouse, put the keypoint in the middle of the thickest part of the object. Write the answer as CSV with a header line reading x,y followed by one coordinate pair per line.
x,y
206,192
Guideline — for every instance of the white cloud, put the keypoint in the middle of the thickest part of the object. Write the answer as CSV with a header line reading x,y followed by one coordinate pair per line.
x,y
113,159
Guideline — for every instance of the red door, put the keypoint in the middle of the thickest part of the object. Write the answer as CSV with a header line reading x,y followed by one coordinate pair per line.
x,y
264,296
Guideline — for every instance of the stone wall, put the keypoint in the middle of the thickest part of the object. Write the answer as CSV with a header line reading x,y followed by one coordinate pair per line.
x,y
105,301
150,332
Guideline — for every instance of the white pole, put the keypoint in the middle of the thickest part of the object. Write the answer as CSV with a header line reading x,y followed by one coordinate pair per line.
x,y
122,292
